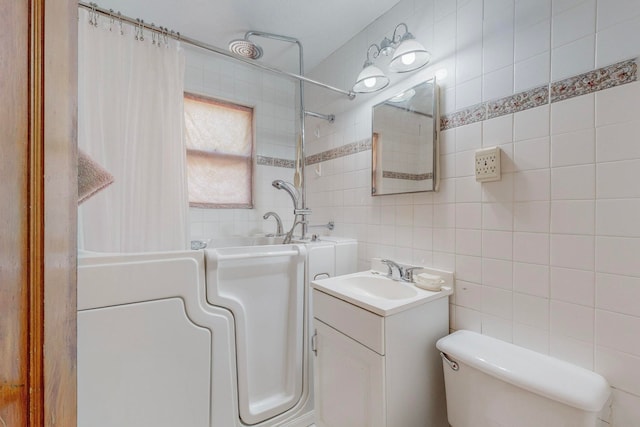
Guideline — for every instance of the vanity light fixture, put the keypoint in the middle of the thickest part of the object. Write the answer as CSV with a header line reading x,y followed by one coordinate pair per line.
x,y
408,55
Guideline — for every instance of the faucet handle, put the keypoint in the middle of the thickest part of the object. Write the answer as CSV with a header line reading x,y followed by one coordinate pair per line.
x,y
395,270
408,273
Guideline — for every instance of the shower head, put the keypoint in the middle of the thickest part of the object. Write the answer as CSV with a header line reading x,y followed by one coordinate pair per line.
x,y
246,48
289,188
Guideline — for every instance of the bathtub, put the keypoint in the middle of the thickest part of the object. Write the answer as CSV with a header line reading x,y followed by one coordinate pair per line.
x,y
215,337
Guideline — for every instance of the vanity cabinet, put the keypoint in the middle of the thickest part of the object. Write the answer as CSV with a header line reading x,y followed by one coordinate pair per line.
x,y
375,371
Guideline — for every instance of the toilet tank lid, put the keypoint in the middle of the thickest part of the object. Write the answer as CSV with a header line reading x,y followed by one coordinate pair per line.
x,y
538,373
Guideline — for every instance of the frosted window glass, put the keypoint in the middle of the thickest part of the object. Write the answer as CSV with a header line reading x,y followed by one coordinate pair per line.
x,y
219,140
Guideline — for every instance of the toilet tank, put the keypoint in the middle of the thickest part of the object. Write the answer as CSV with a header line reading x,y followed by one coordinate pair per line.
x,y
499,384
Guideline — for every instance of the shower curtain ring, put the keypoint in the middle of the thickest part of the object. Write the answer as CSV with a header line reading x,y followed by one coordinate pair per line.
x,y
111,20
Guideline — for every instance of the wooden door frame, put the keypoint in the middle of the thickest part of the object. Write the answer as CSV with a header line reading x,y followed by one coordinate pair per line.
x,y
38,175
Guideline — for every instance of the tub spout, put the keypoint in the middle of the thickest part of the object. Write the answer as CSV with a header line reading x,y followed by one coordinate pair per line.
x,y
278,222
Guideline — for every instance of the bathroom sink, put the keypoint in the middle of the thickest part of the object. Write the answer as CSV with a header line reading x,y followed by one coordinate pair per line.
x,y
379,287
375,292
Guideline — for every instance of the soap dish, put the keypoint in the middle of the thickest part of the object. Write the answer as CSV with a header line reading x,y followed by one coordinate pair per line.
x,y
429,282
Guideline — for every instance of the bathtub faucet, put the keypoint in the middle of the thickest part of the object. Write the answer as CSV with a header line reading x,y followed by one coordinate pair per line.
x,y
289,236
278,222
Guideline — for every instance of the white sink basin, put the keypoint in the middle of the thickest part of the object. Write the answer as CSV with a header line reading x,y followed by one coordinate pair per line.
x,y
377,293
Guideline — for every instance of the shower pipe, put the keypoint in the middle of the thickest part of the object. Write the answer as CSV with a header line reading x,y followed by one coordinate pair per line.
x,y
177,36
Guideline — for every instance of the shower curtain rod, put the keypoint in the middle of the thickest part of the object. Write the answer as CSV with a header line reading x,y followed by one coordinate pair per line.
x,y
116,16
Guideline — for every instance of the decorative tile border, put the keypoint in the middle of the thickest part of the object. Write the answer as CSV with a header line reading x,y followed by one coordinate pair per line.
x,y
593,81
344,150
408,176
274,161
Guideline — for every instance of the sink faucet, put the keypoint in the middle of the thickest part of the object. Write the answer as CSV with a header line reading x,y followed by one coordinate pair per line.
x,y
278,222
399,273
395,271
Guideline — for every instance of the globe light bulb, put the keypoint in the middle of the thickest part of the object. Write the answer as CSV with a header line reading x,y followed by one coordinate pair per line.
x,y
408,58
370,82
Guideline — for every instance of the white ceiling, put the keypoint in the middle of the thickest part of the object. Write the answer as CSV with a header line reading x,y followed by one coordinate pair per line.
x,y
321,25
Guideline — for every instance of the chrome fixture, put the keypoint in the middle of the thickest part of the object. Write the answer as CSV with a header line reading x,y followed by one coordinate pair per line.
x,y
398,272
290,189
328,117
330,225
196,245
407,55
289,236
246,48
278,222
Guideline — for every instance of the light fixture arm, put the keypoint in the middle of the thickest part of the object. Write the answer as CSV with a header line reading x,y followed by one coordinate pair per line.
x,y
375,54
403,37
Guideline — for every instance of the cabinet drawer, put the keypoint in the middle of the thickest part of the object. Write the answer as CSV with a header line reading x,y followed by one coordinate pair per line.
x,y
361,325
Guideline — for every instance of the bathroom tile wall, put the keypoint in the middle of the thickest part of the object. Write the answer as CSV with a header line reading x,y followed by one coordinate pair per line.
x,y
273,99
548,257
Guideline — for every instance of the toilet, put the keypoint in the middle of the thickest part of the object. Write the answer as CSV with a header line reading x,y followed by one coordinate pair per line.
x,y
491,383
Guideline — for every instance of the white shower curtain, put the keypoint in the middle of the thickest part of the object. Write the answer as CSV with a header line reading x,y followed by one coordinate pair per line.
x,y
130,120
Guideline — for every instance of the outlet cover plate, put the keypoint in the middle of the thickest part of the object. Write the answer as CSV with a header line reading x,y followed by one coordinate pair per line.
x,y
488,164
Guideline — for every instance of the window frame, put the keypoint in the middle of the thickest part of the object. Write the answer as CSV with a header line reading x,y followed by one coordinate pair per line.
x,y
203,153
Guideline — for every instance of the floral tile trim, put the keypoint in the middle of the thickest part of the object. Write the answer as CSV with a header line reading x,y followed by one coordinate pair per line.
x,y
475,113
519,102
408,176
593,81
596,80
274,161
344,150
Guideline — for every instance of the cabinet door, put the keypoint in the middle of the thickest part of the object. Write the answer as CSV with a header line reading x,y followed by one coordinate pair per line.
x,y
349,381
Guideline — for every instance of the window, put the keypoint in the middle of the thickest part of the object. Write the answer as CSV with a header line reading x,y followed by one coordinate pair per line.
x,y
219,140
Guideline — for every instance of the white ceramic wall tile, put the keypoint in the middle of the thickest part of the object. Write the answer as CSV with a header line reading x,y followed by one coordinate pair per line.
x,y
573,114
618,332
573,148
574,23
530,337
572,350
468,190
532,72
498,302
497,216
533,185
497,273
618,217
531,216
444,215
532,279
572,216
468,61
422,238
608,363
498,191
469,268
531,310
618,293
532,123
469,93
469,215
468,295
444,240
532,40
573,182
497,327
497,84
468,242
470,320
572,251
620,141
612,177
497,244
497,49
573,286
531,247
618,104
423,215
573,58
612,12
626,410
497,131
573,321
616,43
465,163
530,12
531,154
469,137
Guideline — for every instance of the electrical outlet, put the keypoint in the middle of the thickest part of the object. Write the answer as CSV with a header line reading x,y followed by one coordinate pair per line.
x,y
488,164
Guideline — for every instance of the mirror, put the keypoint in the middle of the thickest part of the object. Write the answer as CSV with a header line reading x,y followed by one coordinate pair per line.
x,y
405,142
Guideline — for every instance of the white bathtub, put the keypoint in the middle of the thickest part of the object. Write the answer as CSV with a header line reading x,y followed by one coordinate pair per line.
x,y
215,338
